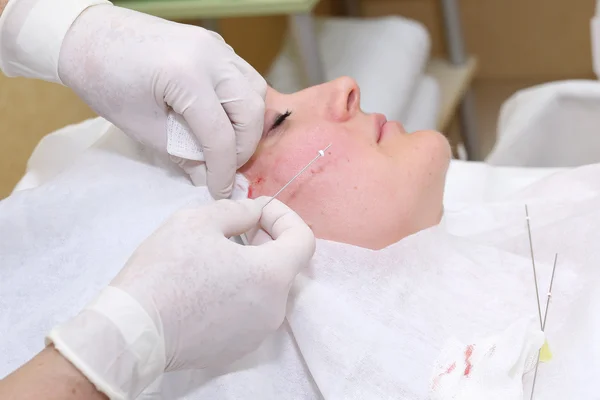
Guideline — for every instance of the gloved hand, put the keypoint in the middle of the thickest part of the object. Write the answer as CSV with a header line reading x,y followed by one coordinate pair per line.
x,y
189,297
132,68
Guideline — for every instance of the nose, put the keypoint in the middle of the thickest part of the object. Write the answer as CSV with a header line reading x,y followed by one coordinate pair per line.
x,y
345,98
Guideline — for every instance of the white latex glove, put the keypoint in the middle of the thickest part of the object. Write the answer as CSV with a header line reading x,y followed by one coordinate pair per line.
x,y
189,297
132,68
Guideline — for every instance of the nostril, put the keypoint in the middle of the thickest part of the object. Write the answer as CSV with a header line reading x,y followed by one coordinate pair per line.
x,y
351,100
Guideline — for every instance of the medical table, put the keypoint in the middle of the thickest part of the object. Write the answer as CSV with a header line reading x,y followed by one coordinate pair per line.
x,y
454,75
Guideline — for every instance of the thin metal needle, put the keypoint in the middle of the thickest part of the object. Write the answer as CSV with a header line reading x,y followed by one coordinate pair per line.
x,y
321,153
537,364
550,291
537,292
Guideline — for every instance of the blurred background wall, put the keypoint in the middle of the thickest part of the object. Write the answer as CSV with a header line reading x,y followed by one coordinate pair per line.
x,y
518,43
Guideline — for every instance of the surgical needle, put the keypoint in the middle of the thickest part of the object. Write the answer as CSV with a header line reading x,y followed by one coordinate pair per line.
x,y
550,291
320,153
537,364
537,292
537,296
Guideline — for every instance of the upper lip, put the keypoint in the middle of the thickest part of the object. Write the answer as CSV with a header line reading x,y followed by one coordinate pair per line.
x,y
380,121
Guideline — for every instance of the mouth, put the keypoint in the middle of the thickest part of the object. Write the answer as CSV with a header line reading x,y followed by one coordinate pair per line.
x,y
380,121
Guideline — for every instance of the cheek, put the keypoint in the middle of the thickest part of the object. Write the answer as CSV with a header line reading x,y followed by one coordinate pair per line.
x,y
269,175
332,190
274,165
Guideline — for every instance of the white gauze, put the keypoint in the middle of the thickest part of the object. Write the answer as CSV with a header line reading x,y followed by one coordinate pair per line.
x,y
181,142
361,324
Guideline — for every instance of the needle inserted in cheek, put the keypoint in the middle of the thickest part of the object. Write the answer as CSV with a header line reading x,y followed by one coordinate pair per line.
x,y
320,153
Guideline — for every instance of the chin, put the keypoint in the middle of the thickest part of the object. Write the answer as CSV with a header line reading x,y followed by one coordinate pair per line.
x,y
436,143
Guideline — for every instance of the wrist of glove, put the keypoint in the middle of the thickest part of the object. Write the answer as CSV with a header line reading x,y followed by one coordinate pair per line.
x,y
115,343
32,33
189,297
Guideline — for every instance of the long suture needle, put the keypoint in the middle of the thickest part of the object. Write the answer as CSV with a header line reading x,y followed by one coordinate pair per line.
x,y
550,291
537,292
320,153
537,364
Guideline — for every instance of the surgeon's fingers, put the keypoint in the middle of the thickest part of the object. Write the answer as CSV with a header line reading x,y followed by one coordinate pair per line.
x,y
232,217
246,111
195,169
218,37
293,242
212,127
255,80
257,236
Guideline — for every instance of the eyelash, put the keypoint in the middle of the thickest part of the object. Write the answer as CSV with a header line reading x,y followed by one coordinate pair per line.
x,y
280,118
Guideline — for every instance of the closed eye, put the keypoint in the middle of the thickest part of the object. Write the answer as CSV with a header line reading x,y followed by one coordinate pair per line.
x,y
280,118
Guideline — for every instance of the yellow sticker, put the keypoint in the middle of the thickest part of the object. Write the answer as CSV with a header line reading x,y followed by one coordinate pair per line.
x,y
545,353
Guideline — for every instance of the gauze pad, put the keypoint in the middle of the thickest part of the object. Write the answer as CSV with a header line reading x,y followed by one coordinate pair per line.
x,y
181,142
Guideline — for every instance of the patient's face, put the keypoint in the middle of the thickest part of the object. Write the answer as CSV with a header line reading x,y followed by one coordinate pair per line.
x,y
376,183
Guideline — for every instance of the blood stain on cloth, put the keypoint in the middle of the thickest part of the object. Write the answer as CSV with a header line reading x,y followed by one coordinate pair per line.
x,y
448,370
468,354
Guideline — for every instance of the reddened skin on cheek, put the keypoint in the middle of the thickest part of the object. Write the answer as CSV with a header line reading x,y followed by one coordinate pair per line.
x,y
319,178
255,186
275,178
278,161
316,170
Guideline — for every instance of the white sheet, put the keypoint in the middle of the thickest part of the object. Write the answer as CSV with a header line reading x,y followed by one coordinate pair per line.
x,y
59,149
470,182
362,324
556,124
